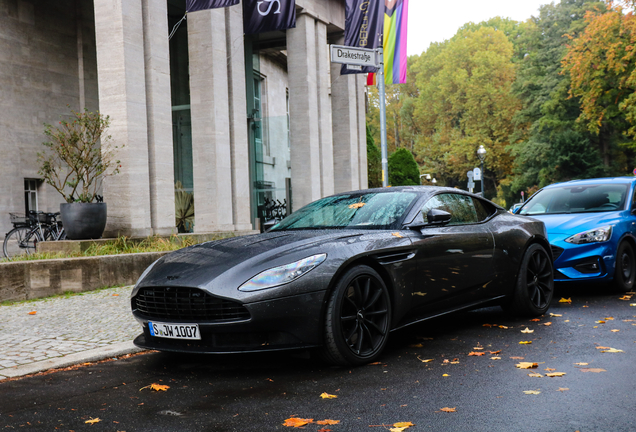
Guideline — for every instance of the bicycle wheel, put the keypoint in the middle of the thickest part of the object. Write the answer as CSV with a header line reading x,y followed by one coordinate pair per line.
x,y
19,241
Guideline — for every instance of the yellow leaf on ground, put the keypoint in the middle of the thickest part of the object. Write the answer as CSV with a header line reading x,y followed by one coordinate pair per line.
x,y
602,347
421,294
547,324
555,315
549,369
535,375
532,392
403,424
609,318
328,422
425,361
297,422
581,364
612,350
535,320
93,420
476,353
565,300
600,322
615,331
562,389
555,374
595,370
632,304
495,352
527,330
527,365
159,387
626,297
447,409
517,358
445,375
495,358
525,342
503,327
33,312
115,295
478,348
328,396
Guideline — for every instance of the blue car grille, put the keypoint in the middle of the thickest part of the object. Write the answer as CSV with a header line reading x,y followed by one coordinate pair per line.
x,y
192,304
556,252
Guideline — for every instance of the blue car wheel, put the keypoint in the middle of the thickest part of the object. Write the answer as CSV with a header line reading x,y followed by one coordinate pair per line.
x,y
625,271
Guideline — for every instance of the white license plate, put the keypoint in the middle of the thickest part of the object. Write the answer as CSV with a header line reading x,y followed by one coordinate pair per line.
x,y
174,331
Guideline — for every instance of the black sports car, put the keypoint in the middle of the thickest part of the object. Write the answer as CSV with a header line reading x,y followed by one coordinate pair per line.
x,y
342,272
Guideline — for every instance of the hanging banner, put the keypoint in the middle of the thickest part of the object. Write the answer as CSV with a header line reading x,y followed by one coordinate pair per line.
x,y
260,16
197,5
394,44
363,28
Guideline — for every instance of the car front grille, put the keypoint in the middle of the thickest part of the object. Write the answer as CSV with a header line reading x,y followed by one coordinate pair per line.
x,y
179,303
556,252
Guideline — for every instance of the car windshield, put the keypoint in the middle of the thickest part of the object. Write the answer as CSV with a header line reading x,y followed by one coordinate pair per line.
x,y
577,199
355,210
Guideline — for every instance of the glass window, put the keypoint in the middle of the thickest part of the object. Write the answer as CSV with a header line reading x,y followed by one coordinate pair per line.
x,y
484,210
577,199
30,195
461,208
355,210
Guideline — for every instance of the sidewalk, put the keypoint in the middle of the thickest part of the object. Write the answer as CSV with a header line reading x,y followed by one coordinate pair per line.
x,y
66,330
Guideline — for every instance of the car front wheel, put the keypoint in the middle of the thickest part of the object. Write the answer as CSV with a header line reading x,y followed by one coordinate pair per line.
x,y
535,284
358,318
625,269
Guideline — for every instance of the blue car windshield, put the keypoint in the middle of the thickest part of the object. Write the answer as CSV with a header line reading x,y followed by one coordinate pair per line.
x,y
577,199
355,210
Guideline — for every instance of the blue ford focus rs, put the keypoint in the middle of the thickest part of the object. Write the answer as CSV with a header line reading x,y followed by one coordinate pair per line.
x,y
591,227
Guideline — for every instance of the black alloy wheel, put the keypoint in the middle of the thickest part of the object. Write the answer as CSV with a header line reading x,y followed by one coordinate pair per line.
x,y
625,271
358,318
535,283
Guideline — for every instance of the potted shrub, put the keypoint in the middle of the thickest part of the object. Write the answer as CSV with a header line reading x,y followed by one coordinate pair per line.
x,y
78,156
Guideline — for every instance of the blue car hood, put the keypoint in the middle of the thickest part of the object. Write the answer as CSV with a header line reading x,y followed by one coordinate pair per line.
x,y
570,224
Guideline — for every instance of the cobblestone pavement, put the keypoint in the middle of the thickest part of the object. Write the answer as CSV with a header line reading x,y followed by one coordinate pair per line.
x,y
65,325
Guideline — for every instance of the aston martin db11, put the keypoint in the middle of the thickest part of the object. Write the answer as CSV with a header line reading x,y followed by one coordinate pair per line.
x,y
340,274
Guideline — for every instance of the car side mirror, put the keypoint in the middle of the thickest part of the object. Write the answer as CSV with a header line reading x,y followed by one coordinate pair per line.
x,y
438,217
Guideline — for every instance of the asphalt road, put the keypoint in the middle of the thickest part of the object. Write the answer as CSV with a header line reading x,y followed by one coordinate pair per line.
x,y
259,392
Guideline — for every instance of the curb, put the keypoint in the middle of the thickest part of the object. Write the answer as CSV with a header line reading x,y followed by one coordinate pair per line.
x,y
113,350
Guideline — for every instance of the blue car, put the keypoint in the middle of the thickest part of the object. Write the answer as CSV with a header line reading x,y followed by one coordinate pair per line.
x,y
591,227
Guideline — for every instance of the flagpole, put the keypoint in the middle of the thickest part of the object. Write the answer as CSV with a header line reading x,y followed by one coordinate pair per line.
x,y
381,90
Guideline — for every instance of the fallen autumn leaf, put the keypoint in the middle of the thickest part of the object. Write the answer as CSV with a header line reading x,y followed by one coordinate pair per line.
x,y
328,396
565,300
93,420
555,374
33,312
297,422
527,365
595,370
527,330
532,392
328,422
448,410
525,342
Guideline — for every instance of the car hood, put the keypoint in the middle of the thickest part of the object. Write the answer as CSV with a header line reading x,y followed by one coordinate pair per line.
x,y
565,225
243,256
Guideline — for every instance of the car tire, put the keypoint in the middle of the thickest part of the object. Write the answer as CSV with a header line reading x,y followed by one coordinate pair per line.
x,y
357,319
535,284
625,268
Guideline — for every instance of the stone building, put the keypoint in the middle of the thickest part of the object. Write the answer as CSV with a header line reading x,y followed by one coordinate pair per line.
x,y
234,120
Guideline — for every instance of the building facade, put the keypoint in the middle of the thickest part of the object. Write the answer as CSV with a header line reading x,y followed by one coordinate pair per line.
x,y
236,124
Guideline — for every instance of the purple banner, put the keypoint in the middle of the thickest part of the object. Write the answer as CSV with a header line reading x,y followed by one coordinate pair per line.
x,y
364,21
260,16
197,5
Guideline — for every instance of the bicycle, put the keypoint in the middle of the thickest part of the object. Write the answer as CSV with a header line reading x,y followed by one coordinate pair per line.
x,y
28,231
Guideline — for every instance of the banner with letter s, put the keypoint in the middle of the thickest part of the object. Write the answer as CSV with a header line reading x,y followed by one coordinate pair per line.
x,y
260,16
364,20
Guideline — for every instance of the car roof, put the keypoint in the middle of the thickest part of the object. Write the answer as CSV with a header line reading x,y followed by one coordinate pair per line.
x,y
602,180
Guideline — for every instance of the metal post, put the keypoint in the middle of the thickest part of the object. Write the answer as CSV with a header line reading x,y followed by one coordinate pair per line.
x,y
482,178
382,95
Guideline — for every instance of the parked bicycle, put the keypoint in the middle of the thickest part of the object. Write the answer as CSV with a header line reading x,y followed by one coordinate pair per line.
x,y
29,230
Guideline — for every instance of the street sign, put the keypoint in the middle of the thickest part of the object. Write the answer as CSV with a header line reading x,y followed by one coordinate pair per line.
x,y
477,174
470,174
354,56
634,171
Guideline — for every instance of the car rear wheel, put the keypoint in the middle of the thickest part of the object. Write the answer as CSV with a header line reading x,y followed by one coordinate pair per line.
x,y
535,284
358,318
625,269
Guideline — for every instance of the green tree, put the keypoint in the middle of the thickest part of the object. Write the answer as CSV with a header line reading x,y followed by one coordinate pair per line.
x,y
374,162
403,170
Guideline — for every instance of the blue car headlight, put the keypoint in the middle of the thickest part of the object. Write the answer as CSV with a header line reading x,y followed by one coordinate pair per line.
x,y
282,274
601,234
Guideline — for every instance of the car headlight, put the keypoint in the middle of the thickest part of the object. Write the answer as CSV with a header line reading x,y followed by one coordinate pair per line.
x,y
592,236
282,274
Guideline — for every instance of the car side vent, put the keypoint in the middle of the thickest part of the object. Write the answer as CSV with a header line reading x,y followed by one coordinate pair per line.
x,y
391,258
182,303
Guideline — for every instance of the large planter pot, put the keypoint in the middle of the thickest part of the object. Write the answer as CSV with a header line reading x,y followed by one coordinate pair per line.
x,y
83,221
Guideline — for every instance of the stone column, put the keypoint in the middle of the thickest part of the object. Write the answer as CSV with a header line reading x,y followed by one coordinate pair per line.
x,y
158,105
361,107
346,148
238,119
122,95
303,106
324,110
211,150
